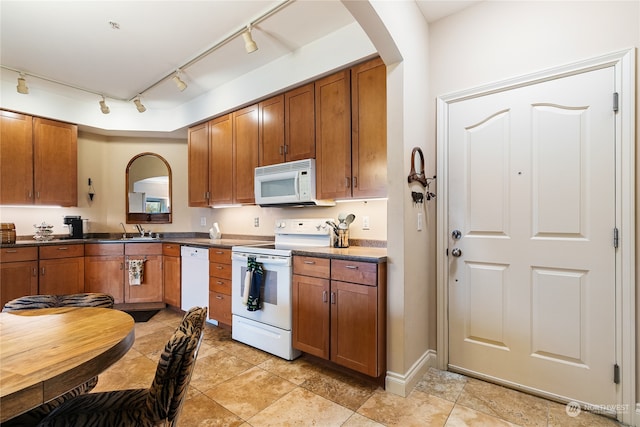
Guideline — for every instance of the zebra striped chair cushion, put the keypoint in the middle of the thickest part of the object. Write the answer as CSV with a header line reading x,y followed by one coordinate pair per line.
x,y
32,302
160,404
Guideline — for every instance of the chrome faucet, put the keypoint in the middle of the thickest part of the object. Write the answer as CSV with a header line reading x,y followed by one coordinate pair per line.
x,y
124,229
140,230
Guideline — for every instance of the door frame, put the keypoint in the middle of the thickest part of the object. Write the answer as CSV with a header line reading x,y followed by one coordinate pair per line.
x,y
624,65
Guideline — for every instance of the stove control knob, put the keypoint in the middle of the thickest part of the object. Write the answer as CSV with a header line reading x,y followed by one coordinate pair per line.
x,y
282,224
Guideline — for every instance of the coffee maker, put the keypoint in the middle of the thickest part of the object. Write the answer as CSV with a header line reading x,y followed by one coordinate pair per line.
x,y
75,227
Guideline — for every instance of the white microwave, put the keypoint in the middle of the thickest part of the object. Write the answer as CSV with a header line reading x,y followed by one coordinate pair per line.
x,y
288,184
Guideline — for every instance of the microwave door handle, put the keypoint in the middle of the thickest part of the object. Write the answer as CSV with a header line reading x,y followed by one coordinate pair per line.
x,y
297,185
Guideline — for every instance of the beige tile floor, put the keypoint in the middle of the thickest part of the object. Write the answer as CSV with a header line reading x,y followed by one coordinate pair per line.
x,y
237,385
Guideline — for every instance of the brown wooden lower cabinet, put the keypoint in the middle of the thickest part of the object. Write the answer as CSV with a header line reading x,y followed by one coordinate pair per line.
x,y
106,270
61,269
220,285
18,273
339,312
171,272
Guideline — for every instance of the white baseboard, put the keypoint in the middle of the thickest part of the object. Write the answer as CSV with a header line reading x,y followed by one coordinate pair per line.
x,y
401,384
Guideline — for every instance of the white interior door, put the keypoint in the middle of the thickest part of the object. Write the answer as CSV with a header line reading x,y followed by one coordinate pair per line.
x,y
531,188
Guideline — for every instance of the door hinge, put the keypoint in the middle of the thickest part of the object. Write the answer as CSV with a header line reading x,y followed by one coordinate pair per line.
x,y
615,102
616,373
616,237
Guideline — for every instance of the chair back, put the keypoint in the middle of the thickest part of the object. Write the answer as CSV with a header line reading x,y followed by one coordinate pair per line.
x,y
175,367
32,302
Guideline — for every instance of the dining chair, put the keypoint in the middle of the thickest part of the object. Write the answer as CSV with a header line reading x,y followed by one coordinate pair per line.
x,y
160,404
32,302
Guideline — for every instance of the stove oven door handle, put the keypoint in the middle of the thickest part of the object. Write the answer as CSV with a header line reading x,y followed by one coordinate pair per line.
x,y
264,260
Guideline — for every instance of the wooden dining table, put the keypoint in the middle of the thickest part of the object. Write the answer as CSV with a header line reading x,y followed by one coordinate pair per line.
x,y
46,352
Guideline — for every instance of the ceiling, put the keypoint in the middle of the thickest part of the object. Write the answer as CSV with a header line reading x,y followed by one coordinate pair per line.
x,y
120,49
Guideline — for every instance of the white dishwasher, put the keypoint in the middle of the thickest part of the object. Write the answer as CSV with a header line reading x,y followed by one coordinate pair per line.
x,y
195,277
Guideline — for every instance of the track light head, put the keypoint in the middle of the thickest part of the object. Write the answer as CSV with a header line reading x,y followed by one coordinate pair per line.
x,y
249,44
104,107
178,81
22,85
141,108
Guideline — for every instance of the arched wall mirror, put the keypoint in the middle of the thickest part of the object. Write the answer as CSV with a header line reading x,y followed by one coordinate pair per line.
x,y
148,192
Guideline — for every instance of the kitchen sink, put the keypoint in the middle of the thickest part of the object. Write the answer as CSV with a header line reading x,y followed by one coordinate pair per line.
x,y
139,239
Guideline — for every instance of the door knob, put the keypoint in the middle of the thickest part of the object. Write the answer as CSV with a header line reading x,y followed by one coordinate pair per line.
x,y
456,252
456,234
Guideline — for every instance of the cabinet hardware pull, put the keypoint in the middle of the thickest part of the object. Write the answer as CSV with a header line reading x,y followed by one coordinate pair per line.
x,y
219,282
351,267
219,252
286,149
280,150
324,296
219,297
35,272
12,251
219,267
43,271
310,262
348,182
122,266
62,248
333,297
355,182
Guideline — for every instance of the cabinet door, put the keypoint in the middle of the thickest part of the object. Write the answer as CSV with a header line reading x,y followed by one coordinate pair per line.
x,y
55,159
16,158
300,123
151,289
246,136
18,279
199,165
354,314
369,129
272,145
105,274
61,276
172,280
333,136
221,160
220,307
310,327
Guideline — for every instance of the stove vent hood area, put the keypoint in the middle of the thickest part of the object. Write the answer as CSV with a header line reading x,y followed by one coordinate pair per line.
x,y
288,184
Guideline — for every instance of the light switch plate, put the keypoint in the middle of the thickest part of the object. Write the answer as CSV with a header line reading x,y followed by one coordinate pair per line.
x,y
365,223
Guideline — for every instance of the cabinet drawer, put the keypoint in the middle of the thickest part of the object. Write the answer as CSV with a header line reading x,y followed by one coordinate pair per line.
x,y
221,256
143,249
170,249
365,273
19,254
312,266
103,249
219,285
220,307
61,251
222,271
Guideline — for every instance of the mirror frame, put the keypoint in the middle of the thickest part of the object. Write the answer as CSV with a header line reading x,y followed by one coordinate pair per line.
x,y
148,218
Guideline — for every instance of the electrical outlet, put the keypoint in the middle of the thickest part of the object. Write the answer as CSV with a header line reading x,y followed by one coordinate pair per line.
x,y
203,221
256,222
365,223
419,221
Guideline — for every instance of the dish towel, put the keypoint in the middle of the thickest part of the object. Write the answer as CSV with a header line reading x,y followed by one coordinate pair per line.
x,y
255,270
136,271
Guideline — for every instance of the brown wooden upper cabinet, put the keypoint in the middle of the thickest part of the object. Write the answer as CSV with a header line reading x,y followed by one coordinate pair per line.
x,y
339,120
287,126
198,164
351,133
38,161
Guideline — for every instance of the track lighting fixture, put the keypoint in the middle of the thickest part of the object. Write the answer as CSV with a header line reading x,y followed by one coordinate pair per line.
x,y
104,107
141,108
22,85
178,81
249,44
